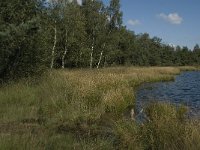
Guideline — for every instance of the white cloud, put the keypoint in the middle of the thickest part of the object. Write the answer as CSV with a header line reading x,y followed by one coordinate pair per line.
x,y
172,18
134,22
173,45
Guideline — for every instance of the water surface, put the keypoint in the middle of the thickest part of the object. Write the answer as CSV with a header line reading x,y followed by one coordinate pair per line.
x,y
184,90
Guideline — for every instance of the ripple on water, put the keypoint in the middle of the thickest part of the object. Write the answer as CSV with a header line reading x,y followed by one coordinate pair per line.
x,y
184,90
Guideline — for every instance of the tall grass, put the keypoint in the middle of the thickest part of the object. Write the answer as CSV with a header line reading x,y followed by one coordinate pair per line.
x,y
90,109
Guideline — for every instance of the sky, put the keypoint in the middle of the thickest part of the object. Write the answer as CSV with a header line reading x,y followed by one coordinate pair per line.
x,y
176,22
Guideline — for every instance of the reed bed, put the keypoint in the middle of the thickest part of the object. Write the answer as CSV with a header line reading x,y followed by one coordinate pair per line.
x,y
90,109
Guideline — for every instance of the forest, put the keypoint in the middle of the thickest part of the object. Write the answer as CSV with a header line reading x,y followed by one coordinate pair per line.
x,y
38,34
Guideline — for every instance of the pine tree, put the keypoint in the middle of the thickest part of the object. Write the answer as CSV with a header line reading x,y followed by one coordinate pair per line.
x,y
19,32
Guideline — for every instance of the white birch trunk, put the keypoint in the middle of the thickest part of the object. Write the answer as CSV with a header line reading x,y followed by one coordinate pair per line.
x,y
91,54
65,52
100,58
63,58
54,46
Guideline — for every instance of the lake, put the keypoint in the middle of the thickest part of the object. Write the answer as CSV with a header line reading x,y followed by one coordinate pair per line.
x,y
184,90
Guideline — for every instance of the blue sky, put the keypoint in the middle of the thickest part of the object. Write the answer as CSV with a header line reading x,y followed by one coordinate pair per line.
x,y
177,22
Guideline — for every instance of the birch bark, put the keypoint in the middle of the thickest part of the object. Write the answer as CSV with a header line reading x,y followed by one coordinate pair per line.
x,y
54,46
91,54
65,52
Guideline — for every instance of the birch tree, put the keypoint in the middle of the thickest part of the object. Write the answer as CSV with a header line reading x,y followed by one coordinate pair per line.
x,y
93,11
54,46
53,14
75,34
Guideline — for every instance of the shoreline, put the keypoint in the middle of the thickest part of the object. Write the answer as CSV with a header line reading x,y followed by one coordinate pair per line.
x,y
83,105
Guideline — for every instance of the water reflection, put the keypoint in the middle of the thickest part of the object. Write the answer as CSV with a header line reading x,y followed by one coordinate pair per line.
x,y
184,90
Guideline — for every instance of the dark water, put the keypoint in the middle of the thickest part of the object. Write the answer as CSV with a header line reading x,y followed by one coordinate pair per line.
x,y
184,90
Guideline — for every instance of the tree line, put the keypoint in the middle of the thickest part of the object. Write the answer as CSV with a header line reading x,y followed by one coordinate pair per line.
x,y
37,34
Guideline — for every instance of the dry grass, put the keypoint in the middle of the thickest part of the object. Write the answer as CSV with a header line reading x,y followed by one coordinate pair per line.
x,y
87,108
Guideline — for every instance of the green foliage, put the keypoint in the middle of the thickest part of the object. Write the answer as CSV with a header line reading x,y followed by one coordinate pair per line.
x,y
21,55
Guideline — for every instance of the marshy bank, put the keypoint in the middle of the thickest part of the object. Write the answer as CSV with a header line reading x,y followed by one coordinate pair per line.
x,y
87,109
185,90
